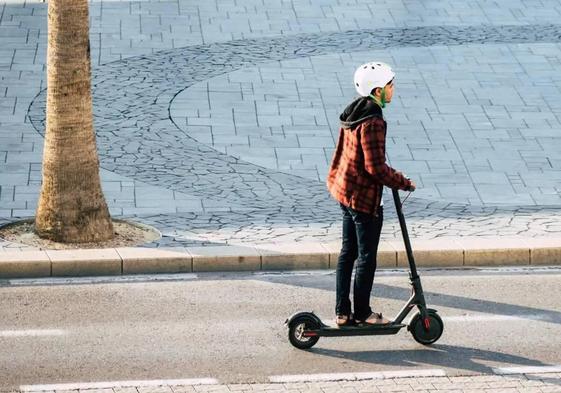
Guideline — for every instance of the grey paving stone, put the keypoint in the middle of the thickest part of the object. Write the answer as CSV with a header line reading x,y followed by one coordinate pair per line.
x,y
17,179
22,213
487,177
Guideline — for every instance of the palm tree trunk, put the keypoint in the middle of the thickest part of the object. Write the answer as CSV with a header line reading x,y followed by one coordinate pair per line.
x,y
72,208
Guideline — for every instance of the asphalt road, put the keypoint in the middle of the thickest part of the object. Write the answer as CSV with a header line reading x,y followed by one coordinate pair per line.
x,y
230,326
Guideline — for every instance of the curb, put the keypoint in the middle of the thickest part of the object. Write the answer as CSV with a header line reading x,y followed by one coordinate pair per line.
x,y
445,252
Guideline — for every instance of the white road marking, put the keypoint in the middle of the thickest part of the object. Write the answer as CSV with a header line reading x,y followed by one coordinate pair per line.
x,y
119,384
102,279
293,273
32,333
455,318
527,370
432,271
471,271
434,372
493,318
357,376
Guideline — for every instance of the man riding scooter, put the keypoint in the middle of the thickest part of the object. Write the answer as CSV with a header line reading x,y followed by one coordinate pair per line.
x,y
356,178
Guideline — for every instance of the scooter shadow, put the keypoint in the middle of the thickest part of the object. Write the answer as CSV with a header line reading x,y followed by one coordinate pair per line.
x,y
438,355
433,299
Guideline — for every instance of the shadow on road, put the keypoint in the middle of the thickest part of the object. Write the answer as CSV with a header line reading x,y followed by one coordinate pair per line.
x,y
433,299
476,305
446,356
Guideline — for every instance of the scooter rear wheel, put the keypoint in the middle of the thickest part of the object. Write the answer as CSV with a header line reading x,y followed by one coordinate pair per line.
x,y
420,332
296,331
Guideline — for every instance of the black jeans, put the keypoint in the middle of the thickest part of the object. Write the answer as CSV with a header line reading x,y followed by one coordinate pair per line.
x,y
361,235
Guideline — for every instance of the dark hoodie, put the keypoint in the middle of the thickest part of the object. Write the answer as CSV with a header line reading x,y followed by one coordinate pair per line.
x,y
358,169
358,111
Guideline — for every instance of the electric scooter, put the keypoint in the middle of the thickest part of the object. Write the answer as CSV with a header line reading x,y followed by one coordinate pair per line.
x,y
305,328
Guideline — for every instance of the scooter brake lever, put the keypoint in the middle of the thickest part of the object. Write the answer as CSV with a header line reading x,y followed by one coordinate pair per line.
x,y
403,202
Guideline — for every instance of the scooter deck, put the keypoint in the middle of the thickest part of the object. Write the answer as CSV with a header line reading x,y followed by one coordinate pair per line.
x,y
357,330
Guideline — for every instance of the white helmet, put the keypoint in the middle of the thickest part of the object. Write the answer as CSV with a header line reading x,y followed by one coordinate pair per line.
x,y
371,75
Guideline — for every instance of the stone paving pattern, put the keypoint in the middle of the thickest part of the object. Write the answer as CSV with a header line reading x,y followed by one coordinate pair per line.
x,y
530,383
216,120
461,139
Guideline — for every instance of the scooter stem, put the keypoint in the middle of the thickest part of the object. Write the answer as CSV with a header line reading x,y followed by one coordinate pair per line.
x,y
408,249
418,297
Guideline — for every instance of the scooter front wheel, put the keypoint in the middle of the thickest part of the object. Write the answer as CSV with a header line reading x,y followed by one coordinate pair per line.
x,y
298,331
426,331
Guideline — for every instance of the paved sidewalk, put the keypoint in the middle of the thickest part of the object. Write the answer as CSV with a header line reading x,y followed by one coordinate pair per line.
x,y
216,121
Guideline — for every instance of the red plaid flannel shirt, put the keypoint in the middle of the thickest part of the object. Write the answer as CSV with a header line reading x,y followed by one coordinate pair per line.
x,y
359,171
